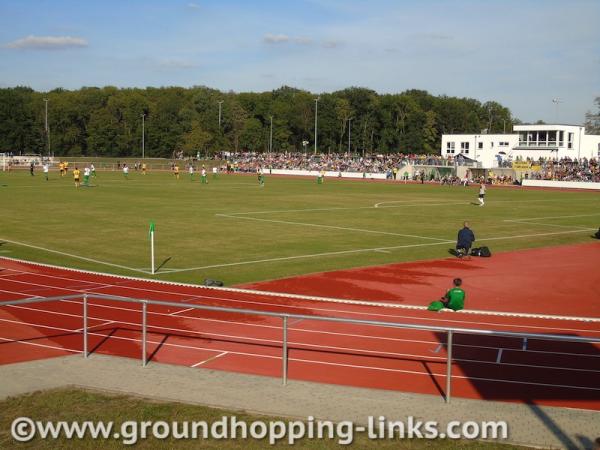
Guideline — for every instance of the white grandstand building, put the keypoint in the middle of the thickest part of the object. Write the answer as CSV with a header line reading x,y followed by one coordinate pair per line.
x,y
527,141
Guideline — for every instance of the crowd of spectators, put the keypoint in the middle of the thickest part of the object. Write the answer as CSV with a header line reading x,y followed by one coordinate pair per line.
x,y
567,169
339,162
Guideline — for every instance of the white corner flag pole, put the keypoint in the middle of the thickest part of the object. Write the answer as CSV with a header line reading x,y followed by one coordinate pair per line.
x,y
152,246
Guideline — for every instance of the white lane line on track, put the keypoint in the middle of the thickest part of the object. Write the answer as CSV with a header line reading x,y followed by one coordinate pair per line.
x,y
209,359
150,341
499,357
303,345
35,344
181,311
438,348
108,322
427,319
331,333
313,298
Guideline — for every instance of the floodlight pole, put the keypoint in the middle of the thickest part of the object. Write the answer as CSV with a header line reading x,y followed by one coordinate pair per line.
x,y
143,136
316,116
220,102
46,127
271,136
349,131
556,101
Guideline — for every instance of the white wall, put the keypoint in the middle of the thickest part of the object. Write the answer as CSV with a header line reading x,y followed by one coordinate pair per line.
x,y
482,147
562,184
328,174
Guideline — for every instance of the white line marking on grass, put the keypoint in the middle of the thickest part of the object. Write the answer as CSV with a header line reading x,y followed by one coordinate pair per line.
x,y
313,255
83,258
363,250
332,227
414,202
531,222
209,359
559,217
499,357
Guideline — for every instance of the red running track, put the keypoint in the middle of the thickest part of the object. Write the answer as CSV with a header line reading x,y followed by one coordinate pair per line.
x,y
561,374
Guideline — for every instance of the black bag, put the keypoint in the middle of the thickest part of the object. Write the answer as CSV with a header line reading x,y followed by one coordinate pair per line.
x,y
484,252
209,282
597,234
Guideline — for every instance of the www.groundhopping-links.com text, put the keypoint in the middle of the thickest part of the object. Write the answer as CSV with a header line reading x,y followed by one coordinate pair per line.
x,y
25,429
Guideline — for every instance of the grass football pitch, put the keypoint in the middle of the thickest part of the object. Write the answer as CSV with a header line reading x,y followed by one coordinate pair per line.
x,y
233,230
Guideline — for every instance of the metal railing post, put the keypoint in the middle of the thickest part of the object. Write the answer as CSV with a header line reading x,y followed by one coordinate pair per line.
x,y
285,350
85,326
144,331
449,368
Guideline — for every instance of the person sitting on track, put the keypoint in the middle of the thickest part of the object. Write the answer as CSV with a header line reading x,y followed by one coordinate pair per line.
x,y
454,299
465,240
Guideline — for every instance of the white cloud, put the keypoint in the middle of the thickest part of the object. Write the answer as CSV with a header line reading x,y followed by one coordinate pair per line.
x,y
47,42
193,5
303,40
285,39
276,38
177,64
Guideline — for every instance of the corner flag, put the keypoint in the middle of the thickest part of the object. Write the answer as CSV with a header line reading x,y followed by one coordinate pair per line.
x,y
151,235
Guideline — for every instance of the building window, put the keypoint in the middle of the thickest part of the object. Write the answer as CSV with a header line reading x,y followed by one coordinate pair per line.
x,y
570,141
464,147
561,138
480,145
503,144
449,147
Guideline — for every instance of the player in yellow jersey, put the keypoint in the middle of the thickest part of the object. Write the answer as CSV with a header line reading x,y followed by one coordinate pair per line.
x,y
176,171
143,168
61,166
76,174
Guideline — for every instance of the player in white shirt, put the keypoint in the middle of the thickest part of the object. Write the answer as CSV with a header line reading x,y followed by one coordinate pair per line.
x,y
46,169
481,194
191,172
126,171
86,176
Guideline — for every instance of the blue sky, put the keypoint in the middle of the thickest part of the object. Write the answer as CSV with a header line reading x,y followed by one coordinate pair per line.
x,y
520,53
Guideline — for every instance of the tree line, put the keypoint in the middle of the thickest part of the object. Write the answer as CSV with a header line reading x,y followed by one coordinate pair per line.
x,y
108,121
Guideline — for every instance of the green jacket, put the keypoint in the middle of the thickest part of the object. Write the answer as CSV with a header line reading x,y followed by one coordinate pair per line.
x,y
456,298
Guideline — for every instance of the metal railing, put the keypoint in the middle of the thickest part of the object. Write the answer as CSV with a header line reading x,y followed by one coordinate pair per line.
x,y
450,331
